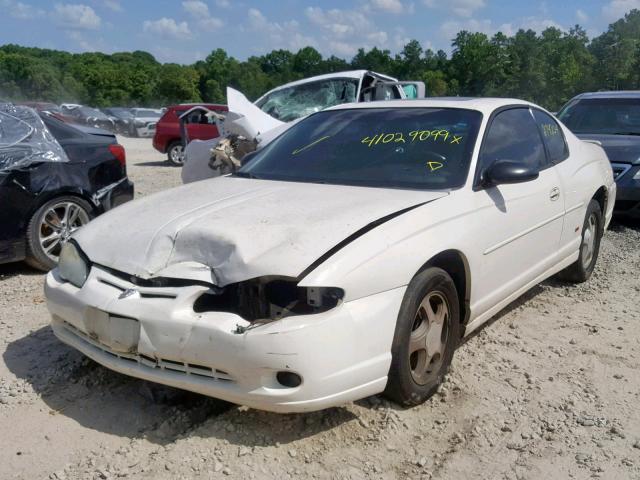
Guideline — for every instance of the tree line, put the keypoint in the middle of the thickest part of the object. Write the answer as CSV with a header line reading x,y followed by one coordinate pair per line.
x,y
547,68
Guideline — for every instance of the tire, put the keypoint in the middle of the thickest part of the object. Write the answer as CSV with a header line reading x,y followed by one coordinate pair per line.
x,y
592,231
47,231
409,383
175,153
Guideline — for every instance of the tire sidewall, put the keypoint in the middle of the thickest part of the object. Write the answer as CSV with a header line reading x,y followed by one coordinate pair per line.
x,y
593,208
401,385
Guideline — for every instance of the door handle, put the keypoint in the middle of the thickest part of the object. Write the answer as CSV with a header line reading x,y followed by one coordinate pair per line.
x,y
554,194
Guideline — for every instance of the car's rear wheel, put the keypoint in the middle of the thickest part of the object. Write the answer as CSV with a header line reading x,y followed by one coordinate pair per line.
x,y
51,226
427,333
175,153
592,231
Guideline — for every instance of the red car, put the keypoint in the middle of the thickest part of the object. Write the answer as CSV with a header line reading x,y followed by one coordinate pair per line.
x,y
167,138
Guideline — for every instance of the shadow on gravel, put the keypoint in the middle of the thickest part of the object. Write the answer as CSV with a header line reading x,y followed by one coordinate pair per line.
x,y
97,398
164,163
8,270
618,224
100,399
529,295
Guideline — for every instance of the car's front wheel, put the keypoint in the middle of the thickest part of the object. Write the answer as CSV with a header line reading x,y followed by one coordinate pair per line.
x,y
592,232
175,153
51,226
426,336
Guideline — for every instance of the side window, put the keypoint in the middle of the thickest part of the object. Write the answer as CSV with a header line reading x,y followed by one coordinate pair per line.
x,y
552,136
513,135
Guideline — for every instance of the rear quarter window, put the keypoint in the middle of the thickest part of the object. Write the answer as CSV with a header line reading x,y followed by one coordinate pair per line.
x,y
552,135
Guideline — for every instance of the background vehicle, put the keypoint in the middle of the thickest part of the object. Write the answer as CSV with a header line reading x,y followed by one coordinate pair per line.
x,y
612,119
89,116
271,114
121,117
144,122
167,138
43,202
50,108
346,258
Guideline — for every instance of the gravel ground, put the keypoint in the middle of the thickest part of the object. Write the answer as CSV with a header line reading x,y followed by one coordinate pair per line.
x,y
548,389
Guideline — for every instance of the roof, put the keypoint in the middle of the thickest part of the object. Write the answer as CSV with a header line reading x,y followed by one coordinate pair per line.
x,y
484,105
356,74
612,94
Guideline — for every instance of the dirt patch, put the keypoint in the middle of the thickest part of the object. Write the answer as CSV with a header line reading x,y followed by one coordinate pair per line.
x,y
549,389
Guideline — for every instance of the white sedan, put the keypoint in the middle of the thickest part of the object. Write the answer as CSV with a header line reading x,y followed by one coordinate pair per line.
x,y
346,258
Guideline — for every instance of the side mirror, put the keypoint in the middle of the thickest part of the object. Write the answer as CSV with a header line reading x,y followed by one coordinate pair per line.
x,y
508,171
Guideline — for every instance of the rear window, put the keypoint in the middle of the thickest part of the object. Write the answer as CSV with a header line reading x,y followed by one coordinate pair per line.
x,y
606,116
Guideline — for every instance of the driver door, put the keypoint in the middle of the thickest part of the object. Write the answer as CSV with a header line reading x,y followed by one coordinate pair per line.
x,y
521,223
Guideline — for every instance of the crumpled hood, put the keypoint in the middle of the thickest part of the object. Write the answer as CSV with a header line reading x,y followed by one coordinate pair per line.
x,y
226,229
619,148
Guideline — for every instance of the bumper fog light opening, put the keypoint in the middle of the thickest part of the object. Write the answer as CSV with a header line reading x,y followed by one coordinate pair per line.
x,y
289,379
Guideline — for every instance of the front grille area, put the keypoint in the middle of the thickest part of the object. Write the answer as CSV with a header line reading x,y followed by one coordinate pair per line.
x,y
154,363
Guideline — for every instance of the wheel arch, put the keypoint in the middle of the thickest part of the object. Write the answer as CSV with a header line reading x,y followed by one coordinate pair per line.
x,y
40,200
602,197
456,264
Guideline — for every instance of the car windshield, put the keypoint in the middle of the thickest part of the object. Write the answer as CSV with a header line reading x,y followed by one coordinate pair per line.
x,y
607,116
147,113
417,148
291,103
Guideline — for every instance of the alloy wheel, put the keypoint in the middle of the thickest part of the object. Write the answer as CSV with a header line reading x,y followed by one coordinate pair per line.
x,y
428,338
177,154
57,225
589,236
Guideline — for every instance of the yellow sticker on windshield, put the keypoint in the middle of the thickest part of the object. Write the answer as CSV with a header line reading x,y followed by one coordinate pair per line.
x,y
435,166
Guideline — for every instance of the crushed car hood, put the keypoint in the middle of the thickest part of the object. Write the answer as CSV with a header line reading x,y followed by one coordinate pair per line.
x,y
619,148
228,229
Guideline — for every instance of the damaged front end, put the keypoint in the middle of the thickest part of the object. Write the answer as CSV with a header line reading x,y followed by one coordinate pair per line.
x,y
266,299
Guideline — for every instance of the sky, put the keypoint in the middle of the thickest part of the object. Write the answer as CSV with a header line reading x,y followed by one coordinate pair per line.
x,y
184,31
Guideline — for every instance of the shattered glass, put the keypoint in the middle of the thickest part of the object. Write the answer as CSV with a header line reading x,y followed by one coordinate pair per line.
x,y
288,104
24,139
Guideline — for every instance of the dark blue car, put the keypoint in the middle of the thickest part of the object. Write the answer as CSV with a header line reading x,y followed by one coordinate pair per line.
x,y
613,119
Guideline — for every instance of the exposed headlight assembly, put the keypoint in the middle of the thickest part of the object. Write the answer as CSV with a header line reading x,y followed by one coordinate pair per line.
x,y
269,298
73,266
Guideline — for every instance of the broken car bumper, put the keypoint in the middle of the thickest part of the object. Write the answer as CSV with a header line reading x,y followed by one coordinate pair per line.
x,y
153,333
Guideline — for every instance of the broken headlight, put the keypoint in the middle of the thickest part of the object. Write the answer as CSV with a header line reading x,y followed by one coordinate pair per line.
x,y
72,265
269,298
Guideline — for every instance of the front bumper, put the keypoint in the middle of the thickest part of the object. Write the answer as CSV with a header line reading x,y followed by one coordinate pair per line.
x,y
628,196
342,355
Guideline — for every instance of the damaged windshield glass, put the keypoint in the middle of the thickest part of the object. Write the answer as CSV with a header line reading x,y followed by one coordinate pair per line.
x,y
24,139
426,148
288,104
